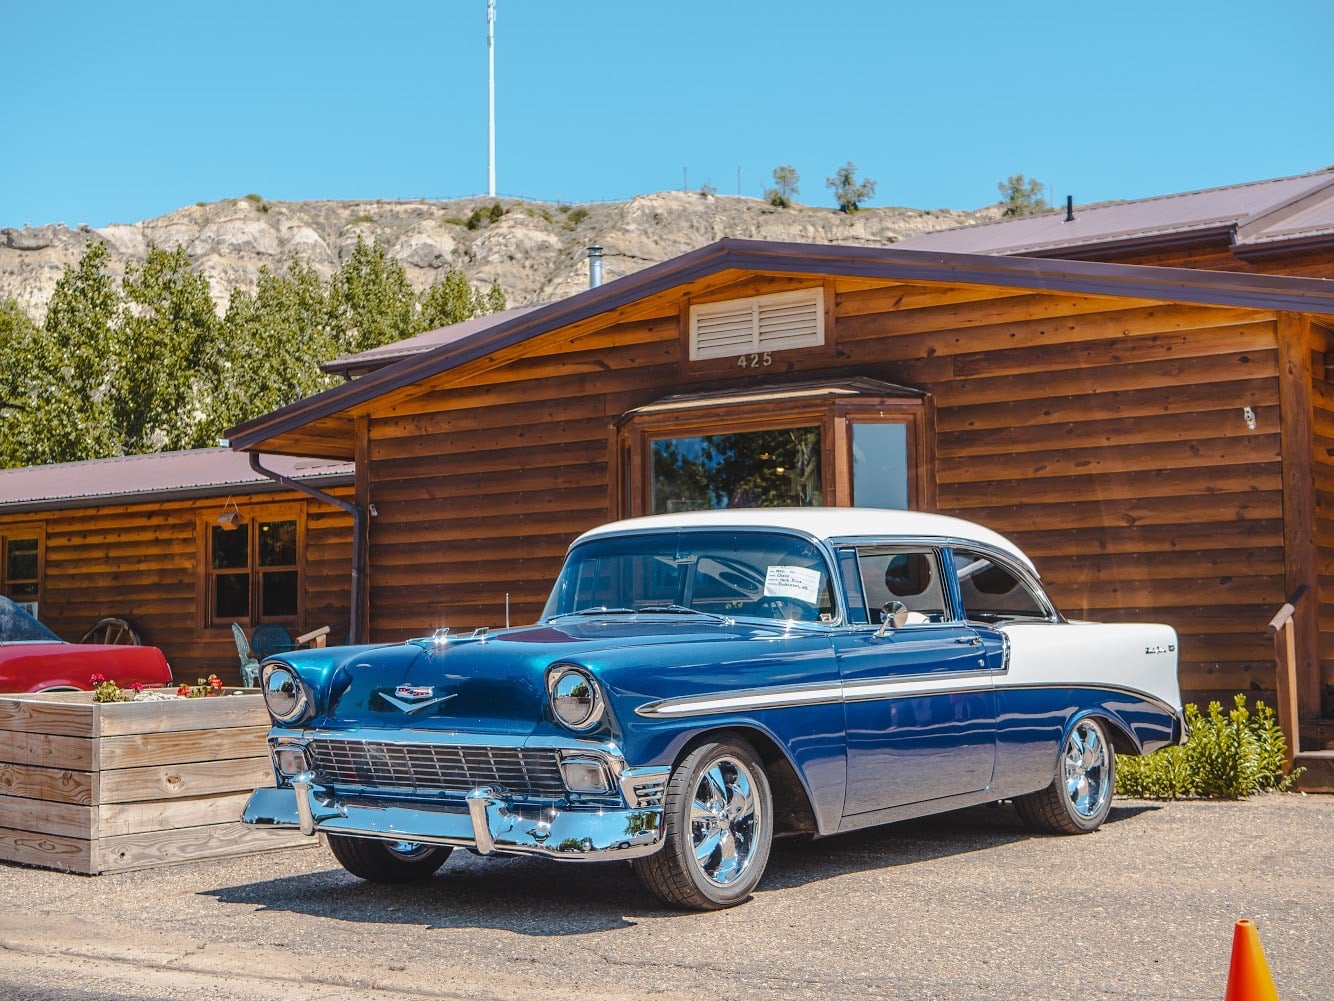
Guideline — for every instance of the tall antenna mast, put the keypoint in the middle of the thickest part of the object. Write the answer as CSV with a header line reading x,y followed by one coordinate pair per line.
x,y
491,120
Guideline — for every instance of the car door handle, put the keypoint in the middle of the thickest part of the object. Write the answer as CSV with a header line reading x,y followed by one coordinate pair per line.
x,y
973,640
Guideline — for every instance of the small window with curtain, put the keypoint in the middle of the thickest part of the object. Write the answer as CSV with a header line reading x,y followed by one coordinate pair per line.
x,y
254,569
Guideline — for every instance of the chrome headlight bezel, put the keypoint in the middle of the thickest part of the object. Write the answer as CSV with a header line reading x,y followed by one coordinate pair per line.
x,y
575,697
285,695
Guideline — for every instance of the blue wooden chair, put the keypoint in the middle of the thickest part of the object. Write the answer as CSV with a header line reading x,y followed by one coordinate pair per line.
x,y
249,662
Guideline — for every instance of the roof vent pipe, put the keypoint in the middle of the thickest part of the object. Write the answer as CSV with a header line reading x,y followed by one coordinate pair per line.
x,y
594,266
1069,208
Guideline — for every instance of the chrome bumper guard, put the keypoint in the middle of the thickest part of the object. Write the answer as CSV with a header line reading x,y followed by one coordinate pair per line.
x,y
487,822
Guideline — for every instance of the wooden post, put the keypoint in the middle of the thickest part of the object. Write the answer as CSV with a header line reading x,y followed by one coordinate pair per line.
x,y
1285,676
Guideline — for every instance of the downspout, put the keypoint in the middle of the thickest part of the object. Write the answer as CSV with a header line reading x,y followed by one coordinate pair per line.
x,y
358,538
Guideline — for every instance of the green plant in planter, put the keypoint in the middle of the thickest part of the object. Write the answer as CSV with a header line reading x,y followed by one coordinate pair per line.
x,y
1228,756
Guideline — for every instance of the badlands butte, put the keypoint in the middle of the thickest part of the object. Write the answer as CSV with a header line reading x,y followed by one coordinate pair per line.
x,y
536,250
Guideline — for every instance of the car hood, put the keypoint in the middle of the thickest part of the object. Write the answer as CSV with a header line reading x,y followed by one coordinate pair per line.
x,y
493,683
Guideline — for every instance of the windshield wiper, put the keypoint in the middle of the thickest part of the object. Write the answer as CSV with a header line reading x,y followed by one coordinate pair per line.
x,y
598,610
674,609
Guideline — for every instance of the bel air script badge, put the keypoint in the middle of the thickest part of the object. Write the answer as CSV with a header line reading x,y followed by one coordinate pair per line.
x,y
414,698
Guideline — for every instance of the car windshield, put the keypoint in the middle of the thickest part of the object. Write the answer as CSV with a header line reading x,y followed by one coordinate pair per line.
x,y
768,575
17,626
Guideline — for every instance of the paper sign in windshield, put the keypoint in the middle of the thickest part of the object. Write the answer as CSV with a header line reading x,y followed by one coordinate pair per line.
x,y
801,583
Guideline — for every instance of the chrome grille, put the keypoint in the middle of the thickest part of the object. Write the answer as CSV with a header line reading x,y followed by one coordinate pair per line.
x,y
437,767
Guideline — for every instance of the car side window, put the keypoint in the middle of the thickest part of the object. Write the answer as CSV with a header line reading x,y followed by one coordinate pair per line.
x,y
992,592
907,575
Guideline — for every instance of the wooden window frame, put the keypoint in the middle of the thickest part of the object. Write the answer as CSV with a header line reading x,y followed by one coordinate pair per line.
x,y
252,515
631,446
22,531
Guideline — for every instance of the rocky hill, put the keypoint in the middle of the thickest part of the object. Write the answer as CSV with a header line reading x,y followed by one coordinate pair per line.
x,y
535,250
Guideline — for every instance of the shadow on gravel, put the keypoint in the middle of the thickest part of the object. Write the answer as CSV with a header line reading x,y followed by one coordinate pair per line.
x,y
538,897
797,862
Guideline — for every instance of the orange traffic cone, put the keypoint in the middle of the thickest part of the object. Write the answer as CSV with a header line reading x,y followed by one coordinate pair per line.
x,y
1248,976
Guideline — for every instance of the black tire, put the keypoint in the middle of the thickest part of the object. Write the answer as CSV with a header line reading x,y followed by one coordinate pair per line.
x,y
718,828
1080,795
387,861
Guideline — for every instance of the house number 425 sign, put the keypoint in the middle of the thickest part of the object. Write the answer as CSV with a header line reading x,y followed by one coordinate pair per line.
x,y
755,361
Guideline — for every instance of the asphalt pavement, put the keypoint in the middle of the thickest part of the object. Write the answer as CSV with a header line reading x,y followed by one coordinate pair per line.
x,y
964,906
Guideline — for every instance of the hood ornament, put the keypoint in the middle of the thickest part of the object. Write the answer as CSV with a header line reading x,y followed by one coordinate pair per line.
x,y
412,699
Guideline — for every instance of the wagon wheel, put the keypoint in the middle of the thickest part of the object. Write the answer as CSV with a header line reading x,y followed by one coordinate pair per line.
x,y
114,632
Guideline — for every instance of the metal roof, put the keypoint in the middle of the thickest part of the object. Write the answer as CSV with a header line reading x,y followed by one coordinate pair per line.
x,y
1253,217
1217,288
367,361
201,472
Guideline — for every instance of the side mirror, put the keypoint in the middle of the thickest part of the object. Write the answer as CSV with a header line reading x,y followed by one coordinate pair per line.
x,y
892,614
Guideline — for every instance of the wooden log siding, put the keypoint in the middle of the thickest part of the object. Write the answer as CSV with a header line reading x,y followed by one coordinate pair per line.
x,y
140,561
1106,436
1322,456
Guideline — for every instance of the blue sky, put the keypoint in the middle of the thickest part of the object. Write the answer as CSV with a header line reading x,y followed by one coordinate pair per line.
x,y
120,112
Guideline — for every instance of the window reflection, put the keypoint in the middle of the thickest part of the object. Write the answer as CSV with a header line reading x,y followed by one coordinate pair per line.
x,y
778,468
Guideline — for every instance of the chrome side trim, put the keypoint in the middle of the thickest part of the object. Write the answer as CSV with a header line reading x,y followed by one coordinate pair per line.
x,y
753,699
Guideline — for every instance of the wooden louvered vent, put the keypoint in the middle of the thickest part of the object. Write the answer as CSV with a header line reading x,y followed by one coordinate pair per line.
x,y
778,322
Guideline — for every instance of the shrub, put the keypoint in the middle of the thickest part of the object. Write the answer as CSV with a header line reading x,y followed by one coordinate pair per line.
x,y
1226,757
358,219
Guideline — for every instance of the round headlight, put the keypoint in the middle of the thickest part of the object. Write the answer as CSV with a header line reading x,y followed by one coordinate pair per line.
x,y
284,694
576,700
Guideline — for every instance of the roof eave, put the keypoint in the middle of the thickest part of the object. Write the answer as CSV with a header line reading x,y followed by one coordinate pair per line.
x,y
1050,275
160,494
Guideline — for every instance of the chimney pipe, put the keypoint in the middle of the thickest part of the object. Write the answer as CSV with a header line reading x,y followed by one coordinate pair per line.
x,y
1069,208
594,266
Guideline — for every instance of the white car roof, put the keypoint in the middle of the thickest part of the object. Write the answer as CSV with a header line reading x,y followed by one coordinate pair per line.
x,y
827,523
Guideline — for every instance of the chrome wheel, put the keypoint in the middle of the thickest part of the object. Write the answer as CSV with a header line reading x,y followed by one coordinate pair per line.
x,y
1080,795
717,814
1086,769
724,824
408,851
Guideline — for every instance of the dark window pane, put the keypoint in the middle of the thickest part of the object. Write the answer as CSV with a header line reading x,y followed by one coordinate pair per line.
x,y
278,593
21,560
277,544
20,591
754,469
231,596
231,549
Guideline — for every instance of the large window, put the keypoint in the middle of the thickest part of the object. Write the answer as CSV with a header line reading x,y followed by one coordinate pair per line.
x,y
254,569
777,468
21,566
835,445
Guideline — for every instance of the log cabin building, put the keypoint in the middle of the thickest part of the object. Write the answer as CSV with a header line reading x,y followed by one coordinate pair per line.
x,y
180,545
1159,440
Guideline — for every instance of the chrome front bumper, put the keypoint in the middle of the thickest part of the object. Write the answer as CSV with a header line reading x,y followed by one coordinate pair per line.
x,y
488,821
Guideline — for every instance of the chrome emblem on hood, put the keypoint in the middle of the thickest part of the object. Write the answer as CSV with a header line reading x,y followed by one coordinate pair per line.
x,y
416,693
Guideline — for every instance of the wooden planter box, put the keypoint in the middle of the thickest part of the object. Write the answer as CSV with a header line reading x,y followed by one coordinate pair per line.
x,y
91,788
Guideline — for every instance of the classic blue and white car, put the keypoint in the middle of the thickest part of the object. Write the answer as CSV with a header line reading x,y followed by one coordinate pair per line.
x,y
701,683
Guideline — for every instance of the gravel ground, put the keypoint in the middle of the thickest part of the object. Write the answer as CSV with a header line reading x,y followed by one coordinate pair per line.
x,y
965,906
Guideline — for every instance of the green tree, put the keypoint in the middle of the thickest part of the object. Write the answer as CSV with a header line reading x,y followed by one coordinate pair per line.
x,y
1020,196
19,338
785,186
167,361
848,191
67,415
371,301
273,343
451,300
